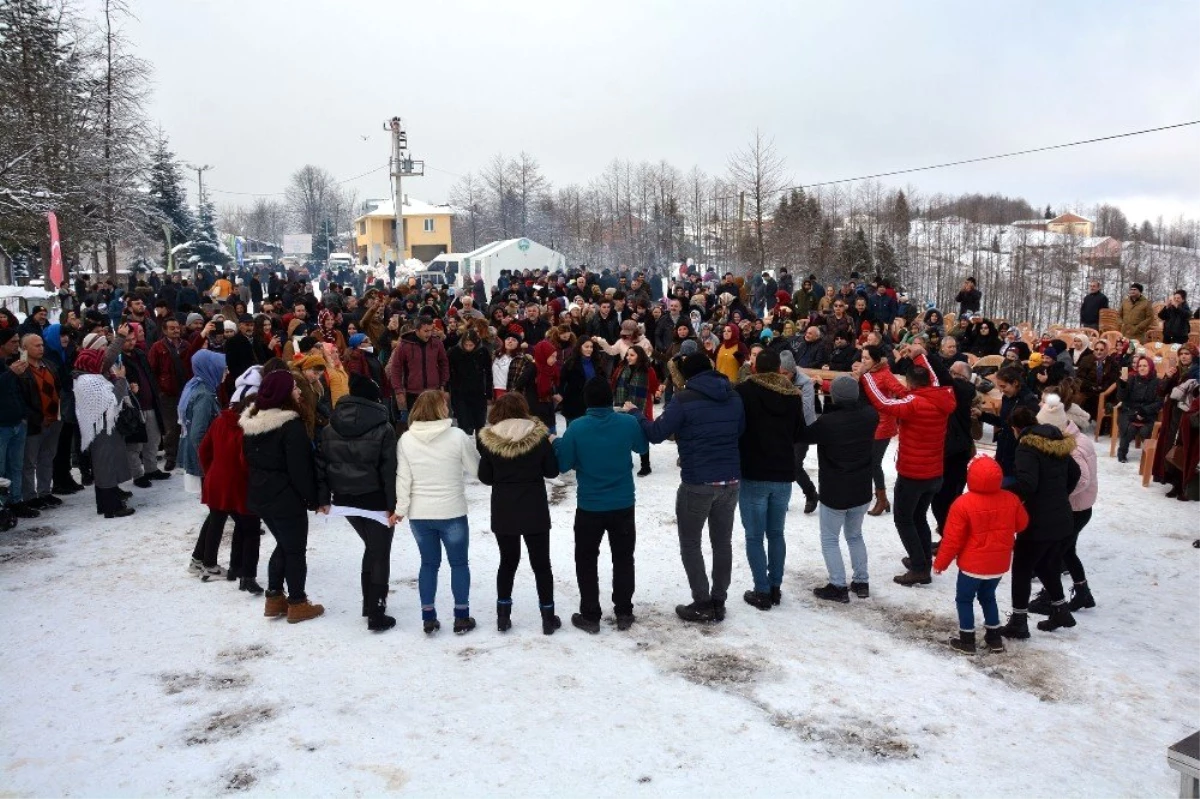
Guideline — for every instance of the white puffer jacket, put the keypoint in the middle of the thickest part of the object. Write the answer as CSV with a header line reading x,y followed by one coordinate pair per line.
x,y
430,460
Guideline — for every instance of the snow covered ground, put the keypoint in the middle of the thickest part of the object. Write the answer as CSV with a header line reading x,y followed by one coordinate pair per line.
x,y
125,676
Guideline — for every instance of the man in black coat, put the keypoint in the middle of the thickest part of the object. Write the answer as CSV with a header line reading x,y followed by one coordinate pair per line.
x,y
1093,302
844,436
774,423
957,453
969,298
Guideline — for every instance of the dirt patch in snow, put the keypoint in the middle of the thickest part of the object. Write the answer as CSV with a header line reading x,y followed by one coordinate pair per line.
x,y
26,544
557,494
719,668
178,683
849,738
241,654
227,724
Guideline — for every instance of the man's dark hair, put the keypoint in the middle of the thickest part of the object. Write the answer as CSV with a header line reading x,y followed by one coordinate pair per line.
x,y
597,393
767,362
876,352
618,295
424,319
307,344
1011,374
1022,417
918,377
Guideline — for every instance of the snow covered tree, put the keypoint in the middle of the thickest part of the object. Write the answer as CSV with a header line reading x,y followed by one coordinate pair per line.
x,y
885,261
856,255
167,196
204,249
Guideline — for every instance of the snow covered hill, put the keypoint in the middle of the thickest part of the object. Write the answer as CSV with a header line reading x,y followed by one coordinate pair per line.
x,y
125,676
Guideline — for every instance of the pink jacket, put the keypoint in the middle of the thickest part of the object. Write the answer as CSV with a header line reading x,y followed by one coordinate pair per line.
x,y
1084,495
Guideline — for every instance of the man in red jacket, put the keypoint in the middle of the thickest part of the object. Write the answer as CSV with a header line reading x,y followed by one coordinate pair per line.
x,y
923,415
171,362
419,363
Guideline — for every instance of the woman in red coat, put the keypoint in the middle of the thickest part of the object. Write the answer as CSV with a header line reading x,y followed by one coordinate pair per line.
x,y
877,379
224,488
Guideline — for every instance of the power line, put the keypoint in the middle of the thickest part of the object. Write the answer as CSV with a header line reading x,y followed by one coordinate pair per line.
x,y
280,193
981,158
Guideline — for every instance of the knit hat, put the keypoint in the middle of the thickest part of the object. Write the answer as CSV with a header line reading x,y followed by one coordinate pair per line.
x,y
356,339
246,385
688,347
364,387
844,390
230,328
597,393
274,390
311,361
1053,412
94,341
629,327
695,364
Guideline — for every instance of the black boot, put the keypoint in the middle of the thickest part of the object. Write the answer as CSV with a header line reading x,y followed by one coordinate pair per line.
x,y
645,470
776,595
377,619
550,622
504,615
718,611
250,586
993,639
1018,625
759,599
833,593
861,590
696,611
965,642
587,625
365,581
1040,604
1060,616
1081,596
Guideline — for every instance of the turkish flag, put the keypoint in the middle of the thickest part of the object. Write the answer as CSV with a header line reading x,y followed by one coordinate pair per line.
x,y
56,264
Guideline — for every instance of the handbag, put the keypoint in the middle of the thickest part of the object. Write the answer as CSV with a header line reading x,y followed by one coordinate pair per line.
x,y
130,425
1175,457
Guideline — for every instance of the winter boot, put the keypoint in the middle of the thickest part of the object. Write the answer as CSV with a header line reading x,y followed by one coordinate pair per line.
x,y
759,599
1040,604
911,578
277,605
250,586
303,611
994,640
365,580
696,611
776,595
1081,596
861,590
645,470
550,622
625,621
1060,616
504,615
377,619
718,611
463,625
120,513
1018,625
965,642
833,593
587,625
881,504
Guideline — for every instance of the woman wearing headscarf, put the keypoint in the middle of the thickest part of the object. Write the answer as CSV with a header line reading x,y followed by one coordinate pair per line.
x,y
732,353
97,405
327,332
282,488
198,407
1140,404
540,392
1177,387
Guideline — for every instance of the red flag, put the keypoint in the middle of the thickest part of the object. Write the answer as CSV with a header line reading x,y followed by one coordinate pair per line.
x,y
56,264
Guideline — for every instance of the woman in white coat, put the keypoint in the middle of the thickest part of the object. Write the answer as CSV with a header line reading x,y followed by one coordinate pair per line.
x,y
431,459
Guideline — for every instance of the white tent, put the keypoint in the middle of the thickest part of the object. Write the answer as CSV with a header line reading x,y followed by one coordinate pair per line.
x,y
512,254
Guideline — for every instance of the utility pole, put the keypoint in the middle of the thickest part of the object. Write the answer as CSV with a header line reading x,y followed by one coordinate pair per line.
x,y
200,170
401,167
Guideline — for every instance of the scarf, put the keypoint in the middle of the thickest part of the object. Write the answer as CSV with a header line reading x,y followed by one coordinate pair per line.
x,y
327,336
589,368
96,407
631,386
208,368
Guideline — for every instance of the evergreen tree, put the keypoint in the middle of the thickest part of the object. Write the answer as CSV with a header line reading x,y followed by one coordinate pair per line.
x,y
885,261
1049,214
901,217
204,249
167,197
856,254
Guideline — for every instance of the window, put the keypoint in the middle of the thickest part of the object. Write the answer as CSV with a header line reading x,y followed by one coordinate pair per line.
x,y
428,225
362,228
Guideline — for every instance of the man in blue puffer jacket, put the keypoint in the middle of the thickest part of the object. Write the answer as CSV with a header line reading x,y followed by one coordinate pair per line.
x,y
707,419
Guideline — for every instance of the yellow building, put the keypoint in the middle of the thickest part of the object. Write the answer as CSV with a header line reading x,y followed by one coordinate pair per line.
x,y
427,231
1071,224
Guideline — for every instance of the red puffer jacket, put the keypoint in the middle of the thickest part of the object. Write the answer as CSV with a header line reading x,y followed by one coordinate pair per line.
x,y
224,487
883,385
982,524
923,415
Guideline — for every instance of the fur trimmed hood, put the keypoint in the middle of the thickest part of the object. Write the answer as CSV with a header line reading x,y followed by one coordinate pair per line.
x,y
265,420
513,438
1048,440
776,382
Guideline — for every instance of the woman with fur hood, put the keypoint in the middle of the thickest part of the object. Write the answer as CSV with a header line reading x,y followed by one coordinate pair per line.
x,y
1044,475
515,459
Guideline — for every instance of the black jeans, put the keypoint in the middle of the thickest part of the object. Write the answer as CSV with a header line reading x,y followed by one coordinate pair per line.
x,y
911,508
243,548
538,545
590,527
1041,558
471,413
954,480
1071,561
289,560
878,449
696,505
376,562
805,482
208,542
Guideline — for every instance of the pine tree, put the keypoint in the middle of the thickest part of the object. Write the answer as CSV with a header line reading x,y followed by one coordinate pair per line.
x,y
901,217
1049,214
856,254
204,249
885,261
167,197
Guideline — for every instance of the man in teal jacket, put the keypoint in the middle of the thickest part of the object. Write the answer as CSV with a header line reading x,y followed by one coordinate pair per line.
x,y
598,447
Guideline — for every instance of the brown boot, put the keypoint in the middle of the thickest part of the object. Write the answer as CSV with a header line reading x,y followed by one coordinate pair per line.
x,y
881,504
303,611
276,605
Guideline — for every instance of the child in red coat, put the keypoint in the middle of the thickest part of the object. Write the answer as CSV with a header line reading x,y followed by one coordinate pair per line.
x,y
980,531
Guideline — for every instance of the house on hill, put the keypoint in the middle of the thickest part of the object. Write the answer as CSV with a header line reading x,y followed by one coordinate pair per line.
x,y
1071,225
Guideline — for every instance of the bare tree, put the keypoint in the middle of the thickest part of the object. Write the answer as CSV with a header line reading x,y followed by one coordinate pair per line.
x,y
758,171
467,195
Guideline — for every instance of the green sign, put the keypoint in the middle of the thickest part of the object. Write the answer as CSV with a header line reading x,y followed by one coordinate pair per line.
x,y
523,245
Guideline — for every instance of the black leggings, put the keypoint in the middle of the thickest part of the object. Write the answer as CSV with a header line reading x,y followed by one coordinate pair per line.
x,y
289,561
1042,558
1071,561
243,548
376,561
538,546
878,450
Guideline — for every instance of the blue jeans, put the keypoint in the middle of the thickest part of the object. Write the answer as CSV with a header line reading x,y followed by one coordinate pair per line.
x,y
763,506
832,524
964,597
12,458
432,535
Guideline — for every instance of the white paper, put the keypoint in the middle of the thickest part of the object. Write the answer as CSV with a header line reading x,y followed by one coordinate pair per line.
x,y
345,510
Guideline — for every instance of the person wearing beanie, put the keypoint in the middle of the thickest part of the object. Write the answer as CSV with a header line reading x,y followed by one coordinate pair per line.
x,y
356,468
631,336
597,446
707,419
980,531
194,319
225,484
281,489
356,339
315,407
843,435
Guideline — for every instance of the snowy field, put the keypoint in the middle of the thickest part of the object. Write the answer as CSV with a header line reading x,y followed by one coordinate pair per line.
x,y
125,676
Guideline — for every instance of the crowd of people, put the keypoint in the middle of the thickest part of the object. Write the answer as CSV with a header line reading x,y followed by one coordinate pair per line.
x,y
380,403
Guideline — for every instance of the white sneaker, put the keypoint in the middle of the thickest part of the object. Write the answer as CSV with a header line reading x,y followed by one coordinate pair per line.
x,y
214,573
195,566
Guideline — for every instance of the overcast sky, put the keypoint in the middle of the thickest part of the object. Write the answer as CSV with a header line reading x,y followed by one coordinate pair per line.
x,y
258,88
